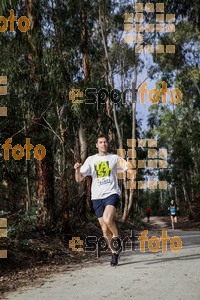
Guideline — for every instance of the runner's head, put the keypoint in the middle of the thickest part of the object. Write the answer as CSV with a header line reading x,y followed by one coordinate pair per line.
x,y
102,144
172,202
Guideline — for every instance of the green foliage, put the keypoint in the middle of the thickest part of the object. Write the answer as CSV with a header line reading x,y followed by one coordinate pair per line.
x,y
21,225
45,63
177,126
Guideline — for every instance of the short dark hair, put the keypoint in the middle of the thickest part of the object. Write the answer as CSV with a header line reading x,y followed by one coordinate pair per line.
x,y
102,136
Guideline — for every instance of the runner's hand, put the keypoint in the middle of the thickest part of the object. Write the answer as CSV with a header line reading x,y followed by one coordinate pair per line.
x,y
77,165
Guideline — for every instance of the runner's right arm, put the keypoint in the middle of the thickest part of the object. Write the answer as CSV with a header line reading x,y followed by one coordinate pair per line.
x,y
81,171
78,176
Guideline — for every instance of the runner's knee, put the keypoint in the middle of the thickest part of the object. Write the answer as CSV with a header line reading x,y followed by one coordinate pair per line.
x,y
108,220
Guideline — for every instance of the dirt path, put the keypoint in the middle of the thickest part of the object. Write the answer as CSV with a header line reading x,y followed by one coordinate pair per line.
x,y
157,221
140,276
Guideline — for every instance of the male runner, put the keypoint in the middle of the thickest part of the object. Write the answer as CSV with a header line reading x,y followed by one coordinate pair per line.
x,y
105,189
173,208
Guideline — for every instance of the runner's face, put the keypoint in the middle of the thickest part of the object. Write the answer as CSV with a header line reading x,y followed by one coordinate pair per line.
x,y
102,145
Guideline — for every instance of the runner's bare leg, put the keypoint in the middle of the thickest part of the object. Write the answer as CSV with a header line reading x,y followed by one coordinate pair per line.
x,y
106,231
108,217
172,219
108,224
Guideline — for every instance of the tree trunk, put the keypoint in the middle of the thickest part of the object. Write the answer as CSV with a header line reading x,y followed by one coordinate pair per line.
x,y
187,200
65,226
84,46
45,189
45,192
176,199
106,63
129,200
28,198
102,21
84,188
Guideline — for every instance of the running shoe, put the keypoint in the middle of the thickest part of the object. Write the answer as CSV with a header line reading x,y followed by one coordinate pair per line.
x,y
114,259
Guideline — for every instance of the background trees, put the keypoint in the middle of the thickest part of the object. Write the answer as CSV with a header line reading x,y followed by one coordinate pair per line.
x,y
177,127
80,45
